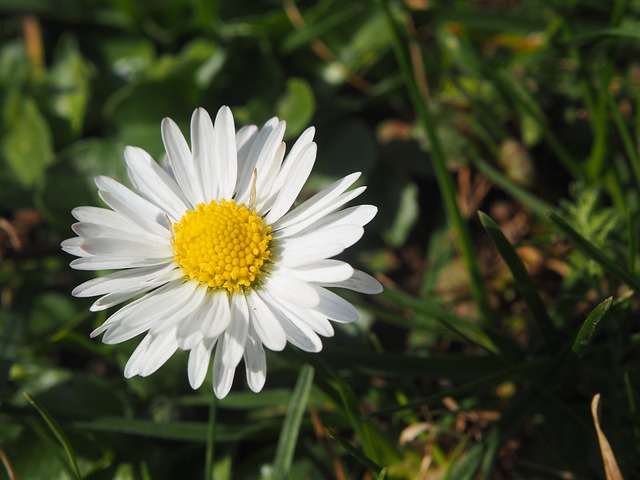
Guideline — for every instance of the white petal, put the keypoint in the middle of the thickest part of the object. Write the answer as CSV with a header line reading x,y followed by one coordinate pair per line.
x,y
358,215
235,335
245,175
124,280
319,202
298,332
146,312
267,176
158,352
137,357
155,184
292,161
244,141
255,362
291,289
116,298
202,140
106,218
266,324
116,248
323,271
222,375
219,315
199,358
358,282
113,263
316,246
335,307
131,204
209,320
180,161
298,170
225,155
72,246
92,230
318,322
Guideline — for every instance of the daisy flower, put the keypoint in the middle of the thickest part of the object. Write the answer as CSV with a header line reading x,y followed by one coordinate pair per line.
x,y
216,258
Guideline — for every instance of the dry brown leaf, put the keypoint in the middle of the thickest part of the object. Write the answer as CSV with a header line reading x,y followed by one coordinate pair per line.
x,y
611,469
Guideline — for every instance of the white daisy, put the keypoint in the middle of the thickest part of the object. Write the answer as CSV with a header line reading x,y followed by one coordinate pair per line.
x,y
215,254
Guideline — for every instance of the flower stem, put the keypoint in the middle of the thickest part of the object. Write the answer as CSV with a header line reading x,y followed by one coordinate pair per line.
x,y
211,436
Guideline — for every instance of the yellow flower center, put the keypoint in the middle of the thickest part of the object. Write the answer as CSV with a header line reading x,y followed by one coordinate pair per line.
x,y
222,244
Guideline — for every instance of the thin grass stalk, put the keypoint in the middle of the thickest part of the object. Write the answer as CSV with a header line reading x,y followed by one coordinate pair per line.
x,y
443,176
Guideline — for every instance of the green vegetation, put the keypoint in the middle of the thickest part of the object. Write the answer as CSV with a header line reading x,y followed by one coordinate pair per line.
x,y
499,140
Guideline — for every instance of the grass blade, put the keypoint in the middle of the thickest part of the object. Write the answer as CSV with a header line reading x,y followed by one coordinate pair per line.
x,y
354,452
466,326
291,427
589,328
58,433
594,253
439,161
523,281
537,205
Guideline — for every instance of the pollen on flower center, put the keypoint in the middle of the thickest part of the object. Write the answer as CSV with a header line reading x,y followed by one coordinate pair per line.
x,y
223,245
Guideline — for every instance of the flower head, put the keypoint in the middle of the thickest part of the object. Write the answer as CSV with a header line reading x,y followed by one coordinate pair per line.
x,y
213,253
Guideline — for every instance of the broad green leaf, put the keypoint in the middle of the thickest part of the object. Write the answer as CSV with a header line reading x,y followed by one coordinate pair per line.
x,y
291,427
296,106
26,145
590,327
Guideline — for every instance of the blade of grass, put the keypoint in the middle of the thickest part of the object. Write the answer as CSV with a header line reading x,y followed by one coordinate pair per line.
x,y
632,243
590,327
519,97
443,176
623,131
471,387
538,206
292,422
467,327
594,253
354,452
633,405
523,281
58,433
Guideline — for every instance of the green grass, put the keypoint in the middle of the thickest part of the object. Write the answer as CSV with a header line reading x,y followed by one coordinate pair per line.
x,y
499,141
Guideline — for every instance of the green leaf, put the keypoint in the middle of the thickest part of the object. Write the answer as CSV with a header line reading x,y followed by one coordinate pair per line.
x,y
594,253
58,433
296,106
590,327
27,145
523,281
291,426
187,431
69,80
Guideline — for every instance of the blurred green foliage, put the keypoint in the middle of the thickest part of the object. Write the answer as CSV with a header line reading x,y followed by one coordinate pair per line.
x,y
534,106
